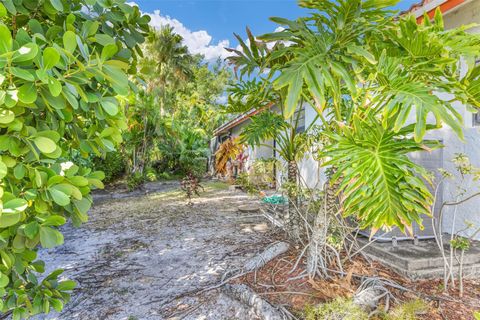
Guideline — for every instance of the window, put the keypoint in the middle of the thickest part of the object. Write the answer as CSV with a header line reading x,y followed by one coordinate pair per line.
x,y
476,119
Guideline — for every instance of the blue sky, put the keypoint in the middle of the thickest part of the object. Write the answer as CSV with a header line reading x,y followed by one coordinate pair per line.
x,y
208,25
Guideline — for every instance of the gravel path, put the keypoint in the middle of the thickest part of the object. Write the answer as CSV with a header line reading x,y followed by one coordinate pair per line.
x,y
146,257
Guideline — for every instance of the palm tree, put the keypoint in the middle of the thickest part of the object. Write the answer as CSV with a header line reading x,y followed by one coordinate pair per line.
x,y
167,65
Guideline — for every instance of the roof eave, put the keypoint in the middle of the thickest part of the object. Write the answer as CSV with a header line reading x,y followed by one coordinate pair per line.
x,y
446,6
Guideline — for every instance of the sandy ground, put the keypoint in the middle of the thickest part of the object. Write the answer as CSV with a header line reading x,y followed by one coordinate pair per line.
x,y
147,256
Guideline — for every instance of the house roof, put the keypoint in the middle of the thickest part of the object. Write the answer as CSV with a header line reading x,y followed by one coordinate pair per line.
x,y
429,7
235,122
239,119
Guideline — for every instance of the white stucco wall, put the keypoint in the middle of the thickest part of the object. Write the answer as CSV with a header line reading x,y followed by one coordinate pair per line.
x,y
454,219
310,172
254,152
469,211
464,15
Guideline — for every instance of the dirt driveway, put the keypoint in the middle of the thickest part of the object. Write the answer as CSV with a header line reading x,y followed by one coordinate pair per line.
x,y
147,257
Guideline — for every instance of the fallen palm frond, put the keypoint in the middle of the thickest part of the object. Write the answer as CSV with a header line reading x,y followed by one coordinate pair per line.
x,y
228,150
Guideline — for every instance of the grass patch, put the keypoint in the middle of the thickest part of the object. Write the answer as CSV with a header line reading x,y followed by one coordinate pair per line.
x,y
409,310
339,309
170,195
216,186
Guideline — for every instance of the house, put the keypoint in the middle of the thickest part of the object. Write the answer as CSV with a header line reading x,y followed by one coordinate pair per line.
x,y
455,218
233,128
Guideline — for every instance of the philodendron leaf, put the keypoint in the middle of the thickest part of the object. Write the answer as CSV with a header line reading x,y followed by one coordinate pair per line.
x,y
50,237
380,185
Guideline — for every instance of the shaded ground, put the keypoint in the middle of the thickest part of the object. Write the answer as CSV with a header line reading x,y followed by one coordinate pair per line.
x,y
147,257
281,284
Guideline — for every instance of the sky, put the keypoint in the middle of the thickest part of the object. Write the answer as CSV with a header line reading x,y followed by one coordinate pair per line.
x,y
207,26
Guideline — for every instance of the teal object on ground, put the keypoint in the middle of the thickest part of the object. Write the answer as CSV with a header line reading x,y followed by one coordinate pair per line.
x,y
275,199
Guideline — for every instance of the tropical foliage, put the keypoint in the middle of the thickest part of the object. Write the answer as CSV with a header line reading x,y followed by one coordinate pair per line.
x,y
369,75
174,111
378,180
63,65
227,151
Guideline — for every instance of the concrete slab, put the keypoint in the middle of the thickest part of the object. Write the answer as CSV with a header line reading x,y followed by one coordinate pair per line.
x,y
249,208
422,260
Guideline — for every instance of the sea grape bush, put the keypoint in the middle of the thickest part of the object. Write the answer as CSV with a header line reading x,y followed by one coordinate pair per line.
x,y
62,65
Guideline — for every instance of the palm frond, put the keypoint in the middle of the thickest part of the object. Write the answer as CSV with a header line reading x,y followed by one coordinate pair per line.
x,y
228,150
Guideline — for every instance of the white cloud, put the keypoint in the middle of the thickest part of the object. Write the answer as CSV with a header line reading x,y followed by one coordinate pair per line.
x,y
198,42
223,99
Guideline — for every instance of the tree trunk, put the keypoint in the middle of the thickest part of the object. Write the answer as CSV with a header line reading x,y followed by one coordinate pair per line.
x,y
316,258
259,306
316,248
294,220
267,255
332,202
292,172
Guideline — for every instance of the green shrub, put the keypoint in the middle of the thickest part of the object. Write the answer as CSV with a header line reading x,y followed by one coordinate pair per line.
x,y
260,176
243,180
262,173
135,180
409,310
150,175
113,165
164,176
63,64
189,163
339,309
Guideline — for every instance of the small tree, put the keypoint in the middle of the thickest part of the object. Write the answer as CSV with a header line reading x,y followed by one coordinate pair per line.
x,y
62,65
366,73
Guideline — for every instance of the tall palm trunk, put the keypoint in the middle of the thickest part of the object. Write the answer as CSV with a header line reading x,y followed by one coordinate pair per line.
x,y
292,172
